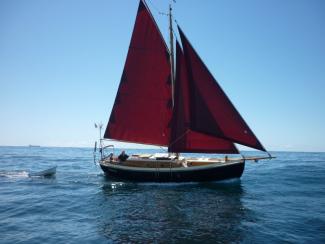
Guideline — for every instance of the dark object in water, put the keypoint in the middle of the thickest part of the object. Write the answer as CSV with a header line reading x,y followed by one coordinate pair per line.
x,y
44,173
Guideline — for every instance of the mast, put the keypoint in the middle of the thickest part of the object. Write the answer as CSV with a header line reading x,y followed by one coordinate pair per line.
x,y
171,39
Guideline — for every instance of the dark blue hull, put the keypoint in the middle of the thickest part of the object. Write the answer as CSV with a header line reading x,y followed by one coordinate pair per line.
x,y
191,174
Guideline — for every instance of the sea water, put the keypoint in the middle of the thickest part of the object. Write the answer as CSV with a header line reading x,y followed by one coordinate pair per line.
x,y
276,201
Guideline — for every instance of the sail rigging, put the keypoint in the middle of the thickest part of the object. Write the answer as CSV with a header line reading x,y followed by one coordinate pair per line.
x,y
191,115
143,104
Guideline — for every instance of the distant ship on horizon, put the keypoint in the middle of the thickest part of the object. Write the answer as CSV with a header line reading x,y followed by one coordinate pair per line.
x,y
33,145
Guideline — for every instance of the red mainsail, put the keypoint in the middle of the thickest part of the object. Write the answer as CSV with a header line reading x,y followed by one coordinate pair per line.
x,y
212,113
143,106
183,139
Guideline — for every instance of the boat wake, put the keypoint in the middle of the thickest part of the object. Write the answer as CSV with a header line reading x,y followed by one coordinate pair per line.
x,y
15,174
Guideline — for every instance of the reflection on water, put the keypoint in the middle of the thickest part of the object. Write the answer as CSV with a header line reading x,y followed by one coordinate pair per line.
x,y
173,212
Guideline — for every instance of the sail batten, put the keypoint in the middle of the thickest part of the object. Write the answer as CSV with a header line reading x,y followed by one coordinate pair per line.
x,y
141,113
212,112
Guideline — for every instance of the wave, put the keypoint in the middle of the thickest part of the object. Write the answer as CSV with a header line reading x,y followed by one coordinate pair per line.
x,y
14,174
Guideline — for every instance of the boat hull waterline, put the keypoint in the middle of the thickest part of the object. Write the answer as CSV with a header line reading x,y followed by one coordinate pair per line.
x,y
208,172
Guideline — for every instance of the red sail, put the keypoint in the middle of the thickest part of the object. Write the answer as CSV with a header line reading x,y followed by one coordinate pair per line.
x,y
212,112
183,139
142,108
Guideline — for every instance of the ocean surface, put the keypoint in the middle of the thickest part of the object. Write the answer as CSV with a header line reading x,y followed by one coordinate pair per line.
x,y
277,201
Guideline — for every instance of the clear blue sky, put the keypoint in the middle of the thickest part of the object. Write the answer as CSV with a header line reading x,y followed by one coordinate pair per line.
x,y
61,61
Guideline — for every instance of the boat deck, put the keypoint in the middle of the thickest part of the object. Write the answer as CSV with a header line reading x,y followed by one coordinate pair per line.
x,y
152,161
148,162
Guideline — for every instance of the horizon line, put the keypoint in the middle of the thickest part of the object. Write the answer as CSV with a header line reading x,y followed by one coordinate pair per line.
x,y
133,148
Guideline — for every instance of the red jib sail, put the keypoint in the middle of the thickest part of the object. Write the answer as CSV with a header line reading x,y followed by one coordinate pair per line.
x,y
142,108
212,112
183,139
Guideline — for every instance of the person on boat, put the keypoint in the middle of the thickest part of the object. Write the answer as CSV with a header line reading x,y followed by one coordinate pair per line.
x,y
123,156
111,157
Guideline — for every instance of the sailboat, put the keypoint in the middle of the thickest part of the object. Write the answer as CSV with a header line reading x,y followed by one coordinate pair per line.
x,y
184,110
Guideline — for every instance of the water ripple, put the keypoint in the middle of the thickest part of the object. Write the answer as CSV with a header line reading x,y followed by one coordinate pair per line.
x,y
275,201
